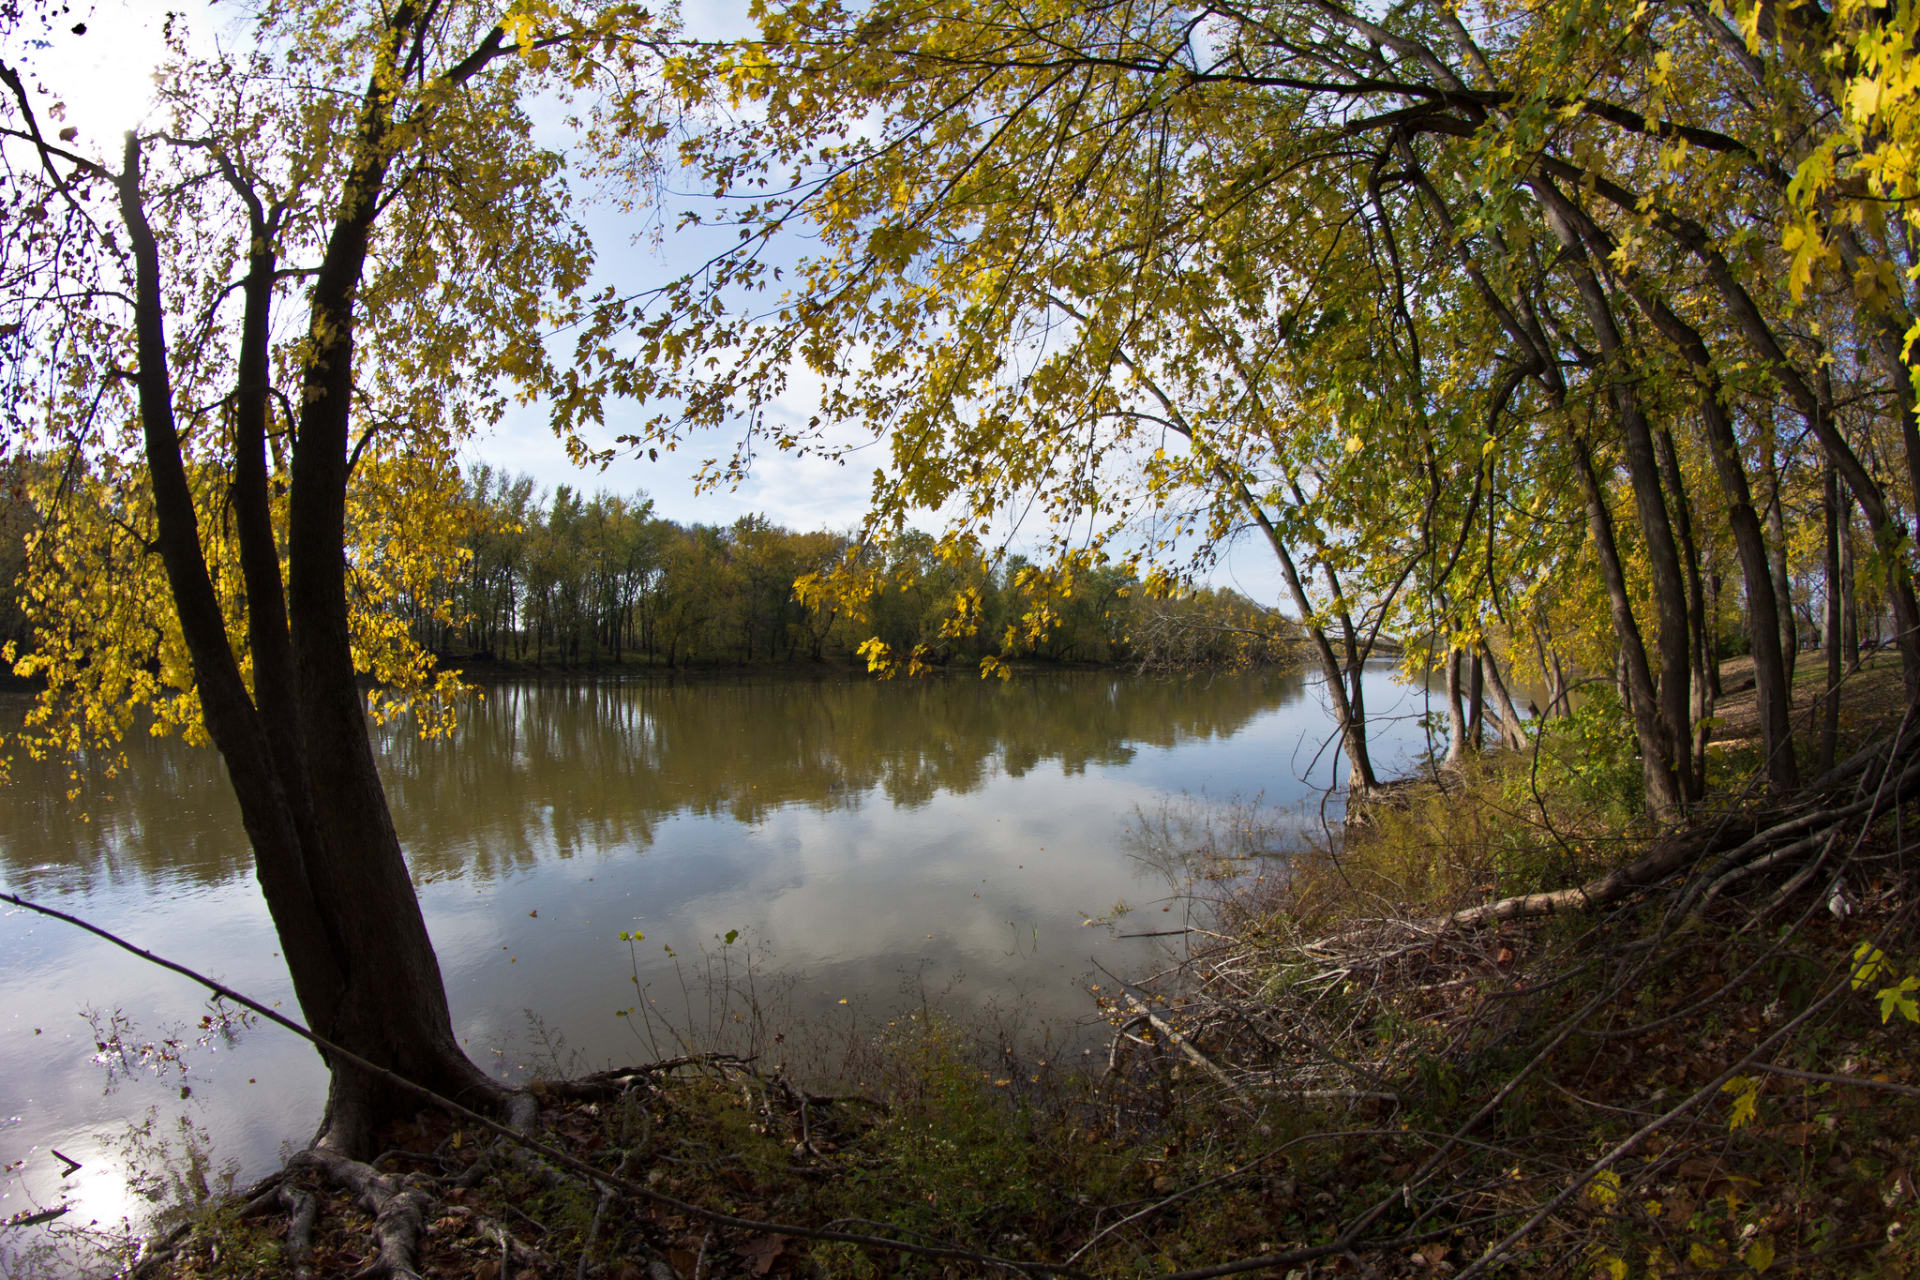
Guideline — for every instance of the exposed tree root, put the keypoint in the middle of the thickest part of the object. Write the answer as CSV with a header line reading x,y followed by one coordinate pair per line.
x,y
399,1209
301,1210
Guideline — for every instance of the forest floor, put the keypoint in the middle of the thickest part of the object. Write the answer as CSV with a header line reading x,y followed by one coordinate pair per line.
x,y
1368,1062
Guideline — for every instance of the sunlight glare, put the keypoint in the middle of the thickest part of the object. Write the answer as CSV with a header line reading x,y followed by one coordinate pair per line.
x,y
98,63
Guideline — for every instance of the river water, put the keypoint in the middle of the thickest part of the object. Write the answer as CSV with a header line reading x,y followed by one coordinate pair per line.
x,y
865,844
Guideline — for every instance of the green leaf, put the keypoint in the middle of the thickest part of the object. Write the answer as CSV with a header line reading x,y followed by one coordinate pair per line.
x,y
1900,998
1746,1100
1868,962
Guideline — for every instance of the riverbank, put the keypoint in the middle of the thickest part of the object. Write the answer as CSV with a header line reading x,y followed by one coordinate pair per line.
x,y
1339,1074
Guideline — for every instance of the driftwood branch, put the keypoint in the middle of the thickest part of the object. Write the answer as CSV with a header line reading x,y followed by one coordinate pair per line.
x,y
1676,854
1185,1046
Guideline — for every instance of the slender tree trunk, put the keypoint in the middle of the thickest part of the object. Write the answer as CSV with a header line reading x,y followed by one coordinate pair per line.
x,y
1771,668
1849,604
1777,557
1512,735
1671,698
1830,709
1890,536
1664,797
1658,748
1476,703
1701,704
1347,717
1713,634
1456,716
1550,671
1770,611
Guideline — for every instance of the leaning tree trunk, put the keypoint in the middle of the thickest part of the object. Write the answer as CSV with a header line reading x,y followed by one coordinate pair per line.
x,y
1512,735
296,745
1348,717
1672,643
1664,796
1768,606
1664,792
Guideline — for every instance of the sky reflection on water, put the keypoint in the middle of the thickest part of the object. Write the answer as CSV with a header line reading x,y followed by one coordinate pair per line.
x,y
865,840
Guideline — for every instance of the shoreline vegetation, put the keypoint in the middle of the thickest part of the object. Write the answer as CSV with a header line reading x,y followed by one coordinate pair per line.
x,y
1387,1055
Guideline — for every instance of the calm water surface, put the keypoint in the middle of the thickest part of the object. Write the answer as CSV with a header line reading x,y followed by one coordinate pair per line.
x,y
868,841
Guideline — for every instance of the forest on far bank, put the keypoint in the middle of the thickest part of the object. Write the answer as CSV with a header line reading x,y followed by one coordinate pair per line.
x,y
566,577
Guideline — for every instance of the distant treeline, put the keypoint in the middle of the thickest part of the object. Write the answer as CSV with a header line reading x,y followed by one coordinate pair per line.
x,y
567,578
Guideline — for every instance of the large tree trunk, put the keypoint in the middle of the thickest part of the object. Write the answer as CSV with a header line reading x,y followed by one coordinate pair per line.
x,y
296,745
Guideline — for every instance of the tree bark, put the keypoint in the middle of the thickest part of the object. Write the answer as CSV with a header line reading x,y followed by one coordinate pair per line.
x,y
1777,559
1663,557
296,746
393,1007
1830,708
1701,704
1770,612
1456,716
1347,717
1476,702
1713,633
1512,736
1849,605
1663,790
1664,796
